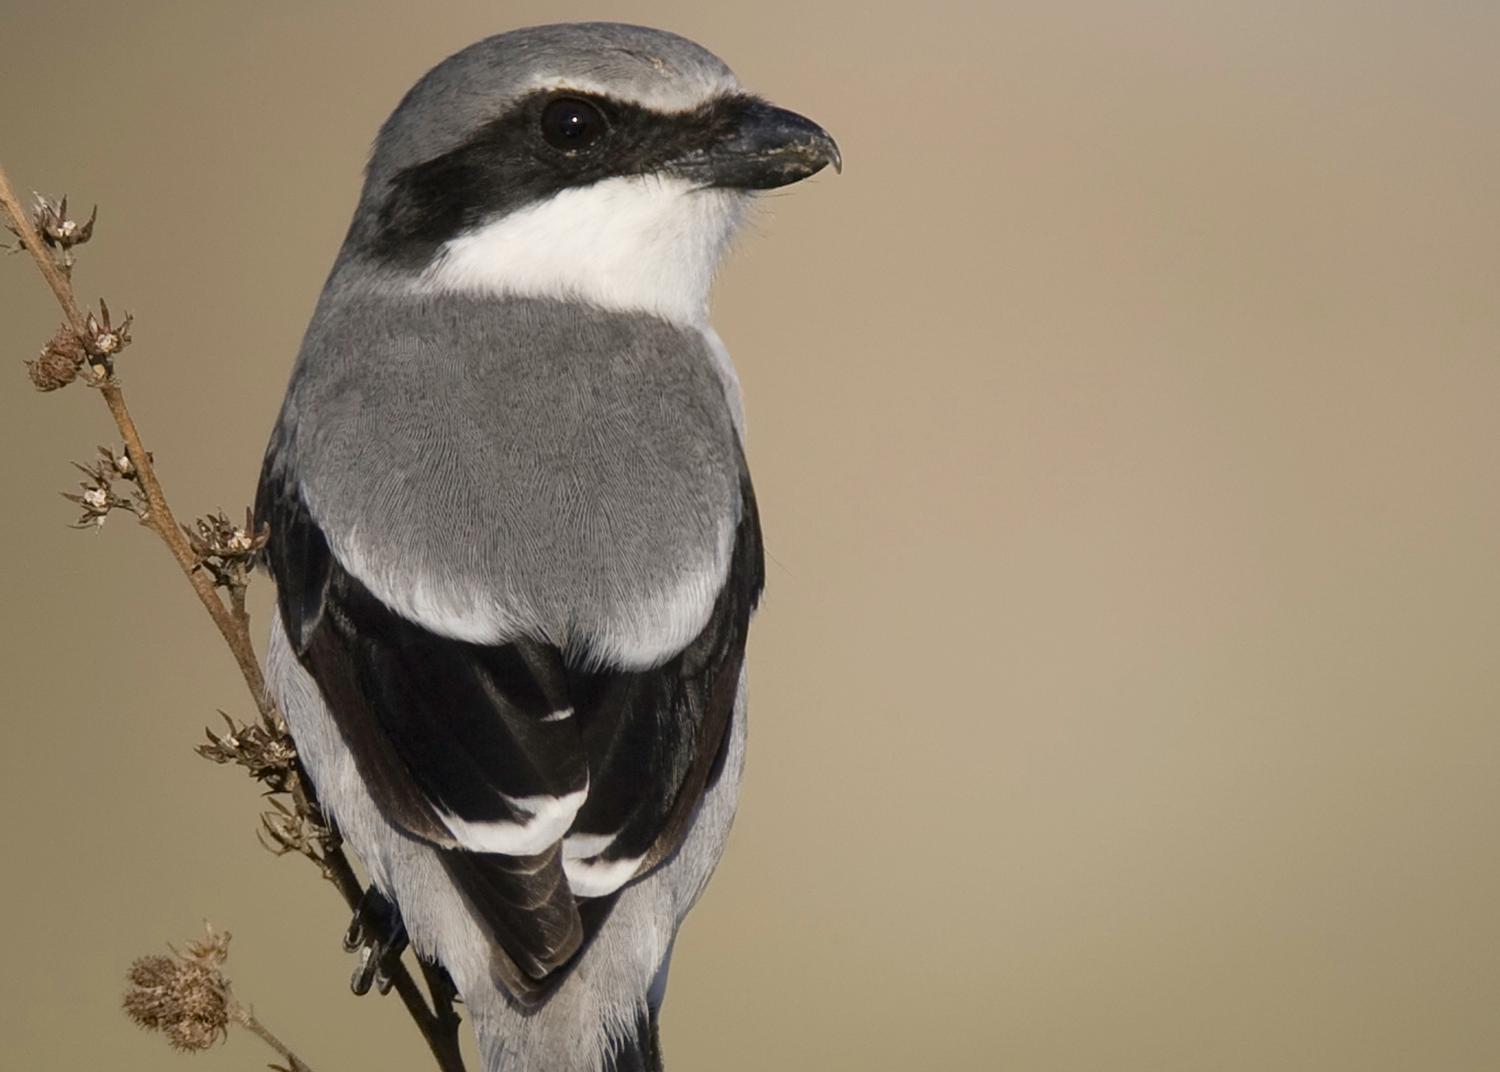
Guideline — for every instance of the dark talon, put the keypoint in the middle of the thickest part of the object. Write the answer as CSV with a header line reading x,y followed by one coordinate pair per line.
x,y
364,971
378,936
387,963
354,937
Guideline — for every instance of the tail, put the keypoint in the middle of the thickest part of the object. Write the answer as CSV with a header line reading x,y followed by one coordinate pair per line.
x,y
506,1046
641,1051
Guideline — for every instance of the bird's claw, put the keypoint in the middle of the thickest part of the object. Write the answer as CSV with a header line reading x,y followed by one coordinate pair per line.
x,y
378,937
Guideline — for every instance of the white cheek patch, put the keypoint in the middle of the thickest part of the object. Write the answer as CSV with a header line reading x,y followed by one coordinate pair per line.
x,y
644,243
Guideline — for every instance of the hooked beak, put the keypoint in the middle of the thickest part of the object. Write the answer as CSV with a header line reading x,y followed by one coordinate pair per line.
x,y
763,147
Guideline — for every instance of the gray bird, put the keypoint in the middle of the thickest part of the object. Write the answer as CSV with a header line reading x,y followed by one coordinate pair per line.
x,y
513,535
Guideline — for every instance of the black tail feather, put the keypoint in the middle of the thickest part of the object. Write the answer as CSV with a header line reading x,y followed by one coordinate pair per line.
x,y
642,1051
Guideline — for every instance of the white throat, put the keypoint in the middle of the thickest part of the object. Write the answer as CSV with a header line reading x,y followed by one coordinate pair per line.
x,y
638,244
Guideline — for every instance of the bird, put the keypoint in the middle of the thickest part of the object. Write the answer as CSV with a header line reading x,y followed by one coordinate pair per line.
x,y
513,533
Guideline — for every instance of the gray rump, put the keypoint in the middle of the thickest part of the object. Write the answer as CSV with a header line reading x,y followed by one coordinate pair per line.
x,y
538,468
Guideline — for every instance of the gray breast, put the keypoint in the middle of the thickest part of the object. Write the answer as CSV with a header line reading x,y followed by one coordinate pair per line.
x,y
495,468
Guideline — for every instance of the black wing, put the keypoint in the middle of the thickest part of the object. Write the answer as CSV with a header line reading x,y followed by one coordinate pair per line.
x,y
440,727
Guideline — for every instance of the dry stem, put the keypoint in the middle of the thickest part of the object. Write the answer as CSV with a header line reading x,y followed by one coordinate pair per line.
x,y
438,1022
159,515
242,1015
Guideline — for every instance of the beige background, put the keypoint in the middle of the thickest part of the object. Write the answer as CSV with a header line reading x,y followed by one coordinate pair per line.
x,y
1124,421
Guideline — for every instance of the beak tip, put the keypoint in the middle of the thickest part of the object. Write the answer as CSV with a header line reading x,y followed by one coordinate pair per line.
x,y
770,148
830,150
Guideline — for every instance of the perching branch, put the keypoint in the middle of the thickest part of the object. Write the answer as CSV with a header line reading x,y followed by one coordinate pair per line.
x,y
214,554
242,1015
158,515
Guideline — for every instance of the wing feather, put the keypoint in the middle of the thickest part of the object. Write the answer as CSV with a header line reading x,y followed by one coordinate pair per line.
x,y
475,748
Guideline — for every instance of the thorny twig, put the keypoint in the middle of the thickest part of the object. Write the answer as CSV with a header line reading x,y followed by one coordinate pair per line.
x,y
212,554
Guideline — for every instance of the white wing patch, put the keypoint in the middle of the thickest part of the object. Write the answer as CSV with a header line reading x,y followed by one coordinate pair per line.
x,y
589,876
599,878
548,818
581,846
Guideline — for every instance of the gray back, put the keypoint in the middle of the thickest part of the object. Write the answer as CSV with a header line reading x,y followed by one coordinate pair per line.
x,y
522,459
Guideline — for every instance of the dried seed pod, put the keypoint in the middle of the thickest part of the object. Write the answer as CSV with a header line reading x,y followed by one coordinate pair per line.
x,y
98,497
105,338
225,549
185,997
51,371
58,363
120,464
265,749
57,229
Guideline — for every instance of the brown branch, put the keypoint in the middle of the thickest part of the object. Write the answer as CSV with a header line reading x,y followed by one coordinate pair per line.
x,y
445,1018
439,1028
241,1015
62,290
438,1022
158,516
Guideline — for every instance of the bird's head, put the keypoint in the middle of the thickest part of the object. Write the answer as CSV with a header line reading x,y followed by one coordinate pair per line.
x,y
591,161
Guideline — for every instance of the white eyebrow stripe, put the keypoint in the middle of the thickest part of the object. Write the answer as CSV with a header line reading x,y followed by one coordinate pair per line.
x,y
682,93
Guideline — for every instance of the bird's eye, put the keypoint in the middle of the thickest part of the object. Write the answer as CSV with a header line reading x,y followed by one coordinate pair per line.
x,y
571,124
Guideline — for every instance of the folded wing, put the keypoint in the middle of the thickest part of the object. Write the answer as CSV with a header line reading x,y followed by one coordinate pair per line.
x,y
546,786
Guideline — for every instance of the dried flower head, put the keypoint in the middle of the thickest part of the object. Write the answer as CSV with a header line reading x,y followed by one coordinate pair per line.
x,y
59,361
57,229
106,338
51,370
286,830
184,996
264,749
120,463
212,949
226,550
98,497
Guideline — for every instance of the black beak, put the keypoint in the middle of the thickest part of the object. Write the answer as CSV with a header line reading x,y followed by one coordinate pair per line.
x,y
761,147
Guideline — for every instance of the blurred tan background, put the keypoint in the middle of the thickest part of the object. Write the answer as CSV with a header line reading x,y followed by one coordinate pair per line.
x,y
1125,426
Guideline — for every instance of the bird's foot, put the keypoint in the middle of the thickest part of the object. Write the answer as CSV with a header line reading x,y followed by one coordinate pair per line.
x,y
378,936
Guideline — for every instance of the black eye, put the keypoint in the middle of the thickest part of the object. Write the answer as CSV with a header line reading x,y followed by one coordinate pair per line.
x,y
571,124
